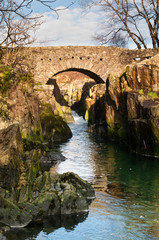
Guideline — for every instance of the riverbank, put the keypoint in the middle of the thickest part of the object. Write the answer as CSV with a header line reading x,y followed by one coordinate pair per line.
x,y
29,131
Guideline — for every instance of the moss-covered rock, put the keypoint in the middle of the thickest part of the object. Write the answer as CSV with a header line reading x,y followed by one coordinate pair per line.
x,y
11,152
51,194
29,173
11,215
53,127
61,194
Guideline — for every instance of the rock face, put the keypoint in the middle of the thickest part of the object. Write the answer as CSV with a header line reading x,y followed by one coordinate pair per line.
x,y
130,107
71,89
144,75
19,104
143,124
47,95
53,127
95,108
11,151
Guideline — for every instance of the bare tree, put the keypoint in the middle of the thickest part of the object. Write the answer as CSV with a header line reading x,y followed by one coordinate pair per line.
x,y
24,8
17,33
137,20
18,22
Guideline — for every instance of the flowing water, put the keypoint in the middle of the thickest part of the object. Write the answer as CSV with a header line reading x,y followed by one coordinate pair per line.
x,y
129,210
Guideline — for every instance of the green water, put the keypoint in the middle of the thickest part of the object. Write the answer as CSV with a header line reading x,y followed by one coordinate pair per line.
x,y
127,193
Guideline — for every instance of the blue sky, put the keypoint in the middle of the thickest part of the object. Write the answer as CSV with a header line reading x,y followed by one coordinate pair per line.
x,y
72,27
58,3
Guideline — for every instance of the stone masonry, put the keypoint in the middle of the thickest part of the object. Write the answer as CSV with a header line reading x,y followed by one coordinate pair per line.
x,y
97,62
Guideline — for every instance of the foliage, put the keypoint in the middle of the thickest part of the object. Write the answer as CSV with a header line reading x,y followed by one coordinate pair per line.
x,y
152,95
127,68
5,79
141,91
26,78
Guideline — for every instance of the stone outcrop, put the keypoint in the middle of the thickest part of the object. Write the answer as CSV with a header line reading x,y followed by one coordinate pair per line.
x,y
54,129
95,108
27,193
143,76
51,195
11,152
19,104
129,107
47,95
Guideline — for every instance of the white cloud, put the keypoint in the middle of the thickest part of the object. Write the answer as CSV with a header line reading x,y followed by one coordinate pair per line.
x,y
71,28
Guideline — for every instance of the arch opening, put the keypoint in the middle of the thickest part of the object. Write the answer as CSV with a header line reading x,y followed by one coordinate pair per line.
x,y
88,73
72,86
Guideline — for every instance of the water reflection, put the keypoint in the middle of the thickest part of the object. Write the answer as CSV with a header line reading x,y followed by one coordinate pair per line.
x,y
50,225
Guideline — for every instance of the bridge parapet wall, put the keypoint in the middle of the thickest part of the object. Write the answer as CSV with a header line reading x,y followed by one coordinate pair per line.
x,y
45,62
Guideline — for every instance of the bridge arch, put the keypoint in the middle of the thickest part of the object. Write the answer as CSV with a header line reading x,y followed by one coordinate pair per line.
x,y
86,72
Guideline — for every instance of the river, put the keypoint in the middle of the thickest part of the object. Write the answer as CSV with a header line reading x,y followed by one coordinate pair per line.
x,y
129,210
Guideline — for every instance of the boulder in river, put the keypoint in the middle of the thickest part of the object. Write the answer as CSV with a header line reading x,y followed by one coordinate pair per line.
x,y
52,195
55,194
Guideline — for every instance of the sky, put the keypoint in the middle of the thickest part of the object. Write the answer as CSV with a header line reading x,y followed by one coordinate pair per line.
x,y
73,26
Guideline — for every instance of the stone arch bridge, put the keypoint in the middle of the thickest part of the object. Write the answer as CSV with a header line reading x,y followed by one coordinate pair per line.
x,y
96,62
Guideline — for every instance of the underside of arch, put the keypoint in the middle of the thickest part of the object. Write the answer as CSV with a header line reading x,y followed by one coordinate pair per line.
x,y
88,73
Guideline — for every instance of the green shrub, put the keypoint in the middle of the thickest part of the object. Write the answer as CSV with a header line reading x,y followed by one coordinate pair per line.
x,y
152,94
5,79
141,91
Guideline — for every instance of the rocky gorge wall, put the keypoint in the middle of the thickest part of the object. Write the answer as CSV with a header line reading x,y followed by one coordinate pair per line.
x,y
126,109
